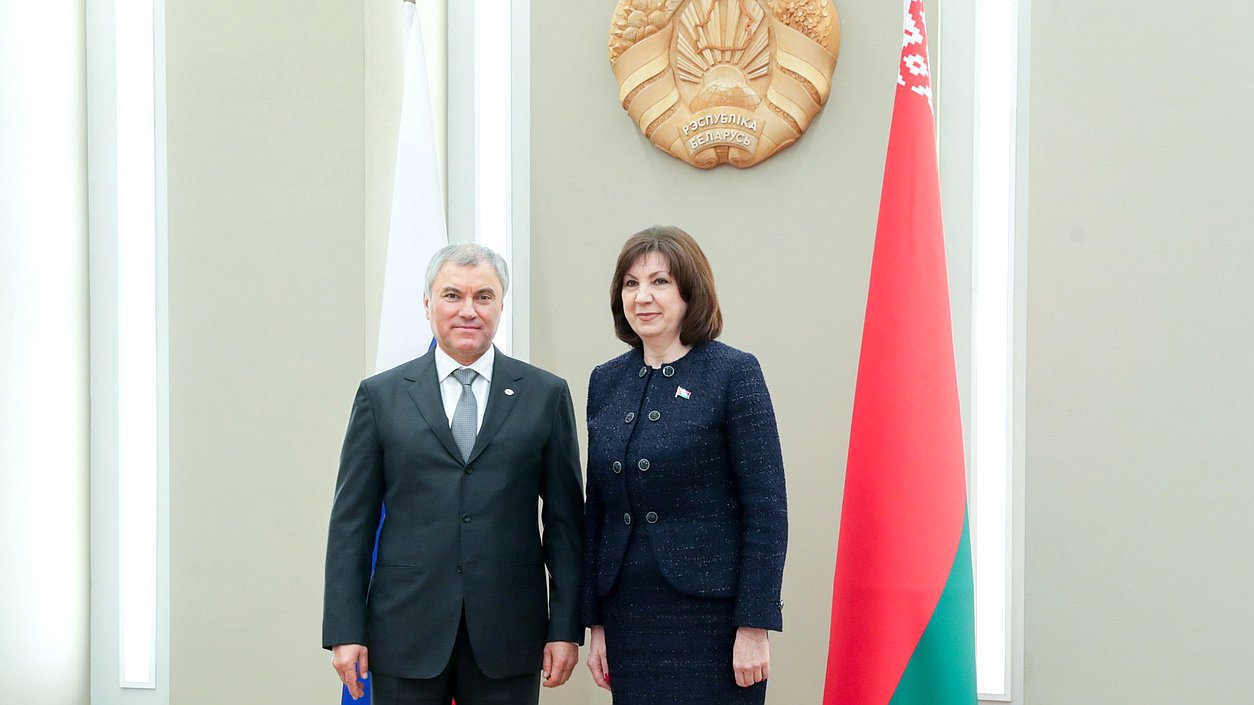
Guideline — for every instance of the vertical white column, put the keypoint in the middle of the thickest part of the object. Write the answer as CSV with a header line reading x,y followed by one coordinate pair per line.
x,y
129,472
136,414
43,353
520,177
493,157
980,78
993,355
489,145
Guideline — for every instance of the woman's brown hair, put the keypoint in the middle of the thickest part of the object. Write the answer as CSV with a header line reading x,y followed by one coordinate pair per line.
x,y
691,272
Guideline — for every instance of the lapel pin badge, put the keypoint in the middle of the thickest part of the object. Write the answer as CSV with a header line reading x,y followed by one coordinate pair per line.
x,y
509,392
683,393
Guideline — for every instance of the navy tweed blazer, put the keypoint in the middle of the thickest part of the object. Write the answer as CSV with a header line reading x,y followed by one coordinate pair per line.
x,y
702,474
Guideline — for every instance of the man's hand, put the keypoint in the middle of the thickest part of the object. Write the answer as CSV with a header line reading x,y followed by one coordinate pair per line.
x,y
596,658
349,660
560,658
751,656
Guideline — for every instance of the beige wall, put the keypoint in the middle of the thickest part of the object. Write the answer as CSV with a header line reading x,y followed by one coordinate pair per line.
x,y
267,314
1139,389
1140,377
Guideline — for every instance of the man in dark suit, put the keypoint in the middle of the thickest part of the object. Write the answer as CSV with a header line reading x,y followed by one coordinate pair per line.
x,y
458,446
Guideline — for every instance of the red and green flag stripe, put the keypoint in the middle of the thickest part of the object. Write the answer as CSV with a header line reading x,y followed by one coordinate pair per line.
x,y
902,629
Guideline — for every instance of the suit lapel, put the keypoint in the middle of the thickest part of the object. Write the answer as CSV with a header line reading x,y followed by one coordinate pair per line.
x,y
424,389
506,374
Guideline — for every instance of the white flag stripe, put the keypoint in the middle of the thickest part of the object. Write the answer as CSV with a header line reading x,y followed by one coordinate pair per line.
x,y
417,225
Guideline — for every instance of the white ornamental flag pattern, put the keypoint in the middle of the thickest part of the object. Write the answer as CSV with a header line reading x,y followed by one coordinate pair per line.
x,y
914,72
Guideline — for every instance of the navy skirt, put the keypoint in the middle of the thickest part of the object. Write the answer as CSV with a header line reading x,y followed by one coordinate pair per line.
x,y
667,648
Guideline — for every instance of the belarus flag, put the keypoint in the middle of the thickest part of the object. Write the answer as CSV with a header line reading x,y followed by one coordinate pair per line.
x,y
902,606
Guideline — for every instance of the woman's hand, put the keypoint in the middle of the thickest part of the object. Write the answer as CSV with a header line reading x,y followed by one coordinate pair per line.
x,y
751,656
596,657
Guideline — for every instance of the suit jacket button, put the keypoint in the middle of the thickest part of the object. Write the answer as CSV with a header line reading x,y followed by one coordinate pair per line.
x,y
466,518
468,471
617,466
643,371
651,517
459,567
631,416
627,518
655,415
643,464
668,371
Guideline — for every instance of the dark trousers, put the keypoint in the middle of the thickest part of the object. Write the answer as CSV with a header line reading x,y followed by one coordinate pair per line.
x,y
461,680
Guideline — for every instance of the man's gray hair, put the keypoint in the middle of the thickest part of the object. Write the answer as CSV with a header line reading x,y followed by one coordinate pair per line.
x,y
467,254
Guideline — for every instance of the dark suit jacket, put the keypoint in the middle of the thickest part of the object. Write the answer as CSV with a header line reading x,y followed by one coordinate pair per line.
x,y
703,476
457,535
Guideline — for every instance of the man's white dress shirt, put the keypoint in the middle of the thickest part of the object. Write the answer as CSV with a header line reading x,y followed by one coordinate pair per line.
x,y
451,389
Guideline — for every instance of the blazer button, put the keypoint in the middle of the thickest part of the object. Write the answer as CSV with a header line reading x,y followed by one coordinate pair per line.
x,y
468,471
459,567
643,371
617,466
655,415
631,416
668,371
627,518
651,517
466,518
643,464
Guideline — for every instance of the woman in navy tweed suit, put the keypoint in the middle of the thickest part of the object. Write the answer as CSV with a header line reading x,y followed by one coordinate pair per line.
x,y
686,516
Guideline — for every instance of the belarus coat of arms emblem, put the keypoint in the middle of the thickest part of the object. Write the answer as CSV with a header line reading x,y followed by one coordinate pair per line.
x,y
723,81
